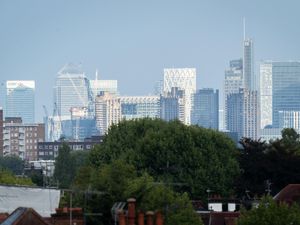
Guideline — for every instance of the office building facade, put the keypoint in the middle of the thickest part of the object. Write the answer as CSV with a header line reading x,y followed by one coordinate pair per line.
x,y
232,84
243,113
20,100
184,79
107,111
136,107
72,89
280,90
249,78
172,105
205,110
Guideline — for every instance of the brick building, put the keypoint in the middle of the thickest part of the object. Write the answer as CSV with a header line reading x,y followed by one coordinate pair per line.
x,y
22,139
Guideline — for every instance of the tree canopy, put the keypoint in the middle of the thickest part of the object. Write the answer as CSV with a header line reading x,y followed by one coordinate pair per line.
x,y
190,158
269,212
275,163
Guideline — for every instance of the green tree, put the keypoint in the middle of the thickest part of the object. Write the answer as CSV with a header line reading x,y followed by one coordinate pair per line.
x,y
269,212
195,158
7,177
176,208
64,167
276,162
12,163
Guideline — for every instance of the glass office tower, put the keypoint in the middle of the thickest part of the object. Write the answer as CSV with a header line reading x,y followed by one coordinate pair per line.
x,y
72,89
205,110
282,80
20,100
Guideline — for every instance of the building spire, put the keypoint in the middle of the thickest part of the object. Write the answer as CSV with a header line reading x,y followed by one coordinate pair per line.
x,y
244,28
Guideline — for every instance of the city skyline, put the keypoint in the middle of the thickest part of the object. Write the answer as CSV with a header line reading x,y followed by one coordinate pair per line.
x,y
126,42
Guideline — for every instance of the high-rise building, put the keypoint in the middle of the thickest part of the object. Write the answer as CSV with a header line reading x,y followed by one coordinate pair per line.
x,y
205,110
184,79
248,66
159,87
243,113
265,95
107,111
172,105
72,89
279,90
1,131
97,86
289,119
233,82
135,107
22,139
20,99
2,95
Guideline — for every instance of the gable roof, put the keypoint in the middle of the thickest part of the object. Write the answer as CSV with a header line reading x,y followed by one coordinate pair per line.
x,y
289,194
23,216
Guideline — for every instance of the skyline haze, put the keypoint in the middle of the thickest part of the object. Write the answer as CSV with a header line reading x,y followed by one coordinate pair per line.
x,y
134,41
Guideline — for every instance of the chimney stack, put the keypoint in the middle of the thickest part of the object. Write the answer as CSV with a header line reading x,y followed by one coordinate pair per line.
x,y
149,216
159,218
131,211
141,218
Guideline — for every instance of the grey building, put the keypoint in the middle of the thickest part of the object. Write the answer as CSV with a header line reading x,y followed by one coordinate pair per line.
x,y
243,116
280,91
49,150
248,66
172,105
205,110
20,101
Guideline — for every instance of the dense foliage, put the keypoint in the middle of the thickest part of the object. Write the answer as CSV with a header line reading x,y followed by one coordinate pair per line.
x,y
269,212
8,178
190,158
13,164
277,163
67,164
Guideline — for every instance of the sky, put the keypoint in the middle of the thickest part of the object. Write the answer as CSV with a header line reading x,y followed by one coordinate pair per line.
x,y
132,41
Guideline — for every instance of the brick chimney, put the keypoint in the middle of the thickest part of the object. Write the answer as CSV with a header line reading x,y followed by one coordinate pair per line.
x,y
149,216
141,218
131,211
159,218
121,216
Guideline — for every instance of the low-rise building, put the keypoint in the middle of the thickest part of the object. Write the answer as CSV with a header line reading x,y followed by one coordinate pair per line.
x,y
49,150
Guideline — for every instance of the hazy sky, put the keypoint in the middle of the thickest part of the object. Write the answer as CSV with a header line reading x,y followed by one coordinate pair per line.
x,y
133,40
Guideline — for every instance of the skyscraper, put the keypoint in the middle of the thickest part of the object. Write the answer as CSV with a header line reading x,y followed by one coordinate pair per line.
x,y
233,82
107,111
20,100
248,66
172,105
243,113
184,79
205,110
72,89
97,86
280,90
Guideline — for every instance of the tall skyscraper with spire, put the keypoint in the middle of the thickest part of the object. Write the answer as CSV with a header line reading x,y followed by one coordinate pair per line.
x,y
249,79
